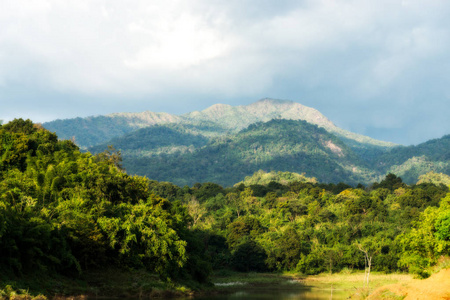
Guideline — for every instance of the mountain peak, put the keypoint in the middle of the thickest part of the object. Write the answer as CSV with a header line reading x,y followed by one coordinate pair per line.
x,y
229,118
273,101
219,107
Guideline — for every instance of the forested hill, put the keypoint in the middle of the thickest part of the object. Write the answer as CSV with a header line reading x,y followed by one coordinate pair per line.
x,y
183,155
217,120
279,145
172,148
412,161
92,131
155,140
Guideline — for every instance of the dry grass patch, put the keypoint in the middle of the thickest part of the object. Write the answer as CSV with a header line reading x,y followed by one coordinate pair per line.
x,y
434,288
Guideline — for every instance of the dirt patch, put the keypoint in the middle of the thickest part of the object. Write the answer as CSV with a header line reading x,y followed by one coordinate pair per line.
x,y
434,288
334,148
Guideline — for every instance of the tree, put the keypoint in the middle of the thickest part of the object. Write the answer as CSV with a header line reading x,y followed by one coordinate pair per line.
x,y
288,249
333,255
249,256
196,210
427,240
113,156
443,226
391,182
369,247
234,201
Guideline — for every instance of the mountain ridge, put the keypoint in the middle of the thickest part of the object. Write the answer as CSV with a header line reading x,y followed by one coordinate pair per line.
x,y
95,130
276,145
172,142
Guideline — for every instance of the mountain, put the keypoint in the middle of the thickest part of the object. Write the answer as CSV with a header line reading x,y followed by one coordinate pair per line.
x,y
92,131
237,118
155,140
278,145
217,120
225,143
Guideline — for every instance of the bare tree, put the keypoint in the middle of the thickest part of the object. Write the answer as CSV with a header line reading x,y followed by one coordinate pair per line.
x,y
196,210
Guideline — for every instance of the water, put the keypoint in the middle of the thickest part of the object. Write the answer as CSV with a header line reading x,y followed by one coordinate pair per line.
x,y
272,293
304,293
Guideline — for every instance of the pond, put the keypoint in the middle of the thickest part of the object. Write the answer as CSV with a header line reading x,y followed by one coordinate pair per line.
x,y
279,292
305,294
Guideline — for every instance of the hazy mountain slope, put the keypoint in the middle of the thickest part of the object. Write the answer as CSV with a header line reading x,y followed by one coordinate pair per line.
x,y
219,119
96,130
210,140
155,140
281,145
435,178
412,161
239,117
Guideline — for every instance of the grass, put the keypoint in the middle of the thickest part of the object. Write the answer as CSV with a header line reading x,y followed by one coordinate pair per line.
x,y
352,284
355,280
343,284
442,263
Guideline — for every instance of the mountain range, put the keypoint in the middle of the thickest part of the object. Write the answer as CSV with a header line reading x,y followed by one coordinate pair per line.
x,y
224,143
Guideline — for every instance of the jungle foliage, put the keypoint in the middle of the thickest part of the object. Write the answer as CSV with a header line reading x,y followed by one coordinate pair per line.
x,y
64,212
311,227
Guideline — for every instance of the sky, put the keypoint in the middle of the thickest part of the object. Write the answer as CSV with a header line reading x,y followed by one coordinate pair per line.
x,y
378,68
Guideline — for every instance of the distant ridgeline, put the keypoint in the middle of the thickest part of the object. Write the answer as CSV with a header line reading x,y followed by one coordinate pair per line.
x,y
223,144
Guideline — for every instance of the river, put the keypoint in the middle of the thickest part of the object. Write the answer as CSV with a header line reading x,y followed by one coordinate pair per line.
x,y
275,295
278,293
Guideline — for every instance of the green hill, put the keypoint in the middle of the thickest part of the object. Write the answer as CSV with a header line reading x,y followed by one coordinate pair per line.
x,y
96,130
64,212
156,140
230,144
281,145
412,161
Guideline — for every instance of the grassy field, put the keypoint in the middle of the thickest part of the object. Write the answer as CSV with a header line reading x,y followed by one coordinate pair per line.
x,y
352,284
342,285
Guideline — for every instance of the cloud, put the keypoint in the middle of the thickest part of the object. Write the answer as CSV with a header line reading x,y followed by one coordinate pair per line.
x,y
336,56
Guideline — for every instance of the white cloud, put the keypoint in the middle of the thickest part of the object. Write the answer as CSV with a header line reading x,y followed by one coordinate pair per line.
x,y
357,51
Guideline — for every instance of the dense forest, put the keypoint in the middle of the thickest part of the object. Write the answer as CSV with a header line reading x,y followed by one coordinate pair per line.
x,y
224,143
284,145
184,156
64,212
311,227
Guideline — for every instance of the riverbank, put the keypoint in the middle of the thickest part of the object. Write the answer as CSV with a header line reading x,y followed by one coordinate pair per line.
x,y
341,285
111,283
139,284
